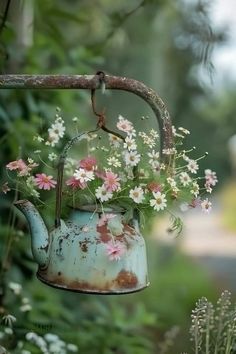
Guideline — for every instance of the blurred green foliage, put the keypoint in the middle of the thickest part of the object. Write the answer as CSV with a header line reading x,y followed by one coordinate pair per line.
x,y
162,43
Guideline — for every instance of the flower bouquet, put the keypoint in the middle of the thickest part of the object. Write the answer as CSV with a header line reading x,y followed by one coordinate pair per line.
x,y
124,170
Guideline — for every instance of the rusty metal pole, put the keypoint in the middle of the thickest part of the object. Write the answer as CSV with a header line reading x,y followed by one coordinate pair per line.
x,y
89,82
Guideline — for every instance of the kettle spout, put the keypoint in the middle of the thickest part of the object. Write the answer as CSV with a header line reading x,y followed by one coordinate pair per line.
x,y
39,233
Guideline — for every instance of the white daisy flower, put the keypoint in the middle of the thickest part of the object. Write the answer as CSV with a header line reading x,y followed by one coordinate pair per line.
x,y
52,156
192,166
83,175
113,161
159,202
53,139
132,158
206,205
130,143
154,155
132,133
103,194
114,140
184,179
137,194
57,128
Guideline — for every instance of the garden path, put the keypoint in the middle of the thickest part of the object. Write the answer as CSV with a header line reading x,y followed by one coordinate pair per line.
x,y
210,244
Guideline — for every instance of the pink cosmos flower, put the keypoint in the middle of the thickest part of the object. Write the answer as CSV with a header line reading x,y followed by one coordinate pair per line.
x,y
19,165
75,183
111,181
88,163
44,182
16,165
105,218
115,249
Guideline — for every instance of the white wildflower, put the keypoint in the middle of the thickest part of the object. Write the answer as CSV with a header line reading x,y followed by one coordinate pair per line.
x,y
206,205
147,140
185,179
25,308
154,156
154,133
57,129
8,320
130,143
15,287
210,177
171,182
75,119
103,194
192,166
50,337
52,156
38,138
72,347
114,140
83,175
137,194
113,161
195,189
132,158
159,202
183,130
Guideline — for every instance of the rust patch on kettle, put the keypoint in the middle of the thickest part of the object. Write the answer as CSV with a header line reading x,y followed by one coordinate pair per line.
x,y
104,233
126,279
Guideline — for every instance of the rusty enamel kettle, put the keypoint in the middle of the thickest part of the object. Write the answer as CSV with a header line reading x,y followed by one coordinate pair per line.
x,y
95,251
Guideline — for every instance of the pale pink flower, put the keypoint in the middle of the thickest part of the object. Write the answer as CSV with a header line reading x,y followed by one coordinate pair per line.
x,y
111,181
211,178
105,218
19,165
124,124
115,249
75,183
88,163
44,182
